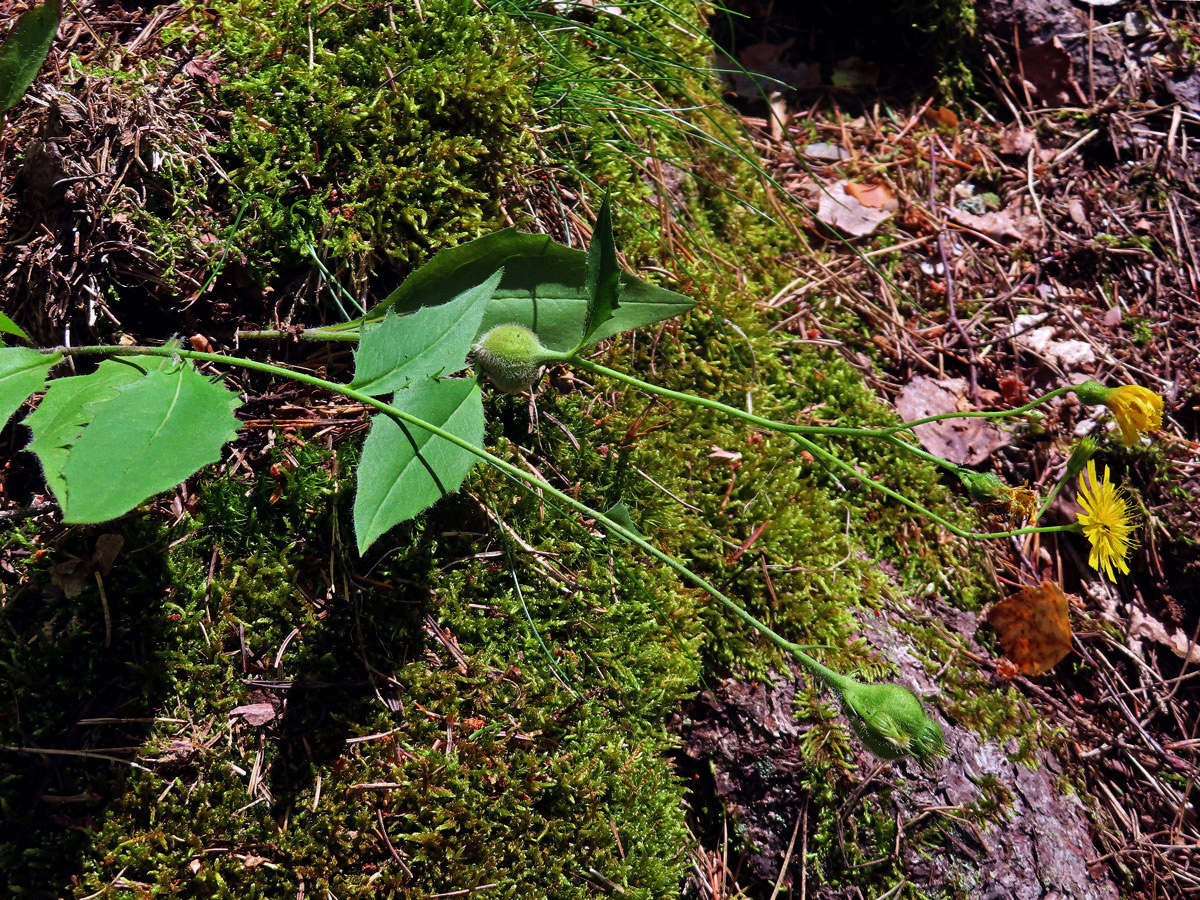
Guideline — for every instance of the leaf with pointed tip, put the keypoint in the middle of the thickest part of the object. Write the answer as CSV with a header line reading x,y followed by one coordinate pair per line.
x,y
434,340
543,288
619,513
8,326
22,372
404,470
157,431
69,406
25,49
602,281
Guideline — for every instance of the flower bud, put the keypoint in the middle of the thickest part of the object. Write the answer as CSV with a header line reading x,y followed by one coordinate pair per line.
x,y
1091,393
984,487
1083,451
891,722
511,356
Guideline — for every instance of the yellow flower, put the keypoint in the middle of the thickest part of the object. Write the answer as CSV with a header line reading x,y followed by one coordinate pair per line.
x,y
1020,503
1137,410
1107,521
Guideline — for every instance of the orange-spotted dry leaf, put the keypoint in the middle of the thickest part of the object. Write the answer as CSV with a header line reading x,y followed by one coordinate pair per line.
x,y
1034,627
942,117
873,196
1007,669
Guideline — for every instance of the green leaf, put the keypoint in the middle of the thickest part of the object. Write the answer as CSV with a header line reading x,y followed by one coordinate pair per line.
x,y
157,431
25,49
22,372
602,281
434,340
619,513
69,405
543,288
8,326
404,470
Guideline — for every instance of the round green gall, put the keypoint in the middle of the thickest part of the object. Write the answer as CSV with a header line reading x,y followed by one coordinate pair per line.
x,y
511,356
891,722
1091,393
983,487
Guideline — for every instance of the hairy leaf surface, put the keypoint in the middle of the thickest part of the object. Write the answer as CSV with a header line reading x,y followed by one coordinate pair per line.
x,y
157,431
22,372
543,288
602,281
25,49
69,406
404,470
434,340
8,326
619,513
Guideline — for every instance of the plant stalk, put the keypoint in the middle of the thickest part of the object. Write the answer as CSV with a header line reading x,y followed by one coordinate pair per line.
x,y
811,429
798,433
824,454
830,677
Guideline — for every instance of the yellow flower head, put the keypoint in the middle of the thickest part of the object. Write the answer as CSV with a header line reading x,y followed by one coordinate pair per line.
x,y
1107,521
1020,504
1137,410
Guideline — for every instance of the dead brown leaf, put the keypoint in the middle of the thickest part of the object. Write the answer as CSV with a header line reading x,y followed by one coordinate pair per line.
x,y
964,442
1141,625
70,577
1016,141
942,117
1034,627
204,70
1049,72
761,56
1006,224
873,196
107,548
254,713
845,212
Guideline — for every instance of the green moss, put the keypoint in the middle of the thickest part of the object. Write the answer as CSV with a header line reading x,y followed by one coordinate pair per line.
x,y
64,665
375,135
486,768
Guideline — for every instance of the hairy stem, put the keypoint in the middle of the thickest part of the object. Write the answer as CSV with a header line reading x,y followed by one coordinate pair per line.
x,y
310,334
830,677
887,433
332,333
828,457
1052,495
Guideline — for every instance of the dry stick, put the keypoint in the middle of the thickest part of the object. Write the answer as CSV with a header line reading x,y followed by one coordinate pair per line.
x,y
84,754
787,857
1091,70
108,625
44,508
950,299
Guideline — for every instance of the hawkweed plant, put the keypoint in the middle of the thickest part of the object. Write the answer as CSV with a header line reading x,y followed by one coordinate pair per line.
x,y
507,304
